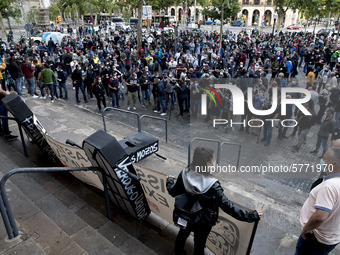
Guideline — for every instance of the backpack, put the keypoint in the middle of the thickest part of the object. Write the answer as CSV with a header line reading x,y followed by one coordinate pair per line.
x,y
188,210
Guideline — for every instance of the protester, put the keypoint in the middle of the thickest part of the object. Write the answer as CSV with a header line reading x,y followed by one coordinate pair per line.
x,y
4,129
197,187
47,77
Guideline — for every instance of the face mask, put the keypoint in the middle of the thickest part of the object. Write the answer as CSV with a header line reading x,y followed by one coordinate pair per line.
x,y
99,81
323,166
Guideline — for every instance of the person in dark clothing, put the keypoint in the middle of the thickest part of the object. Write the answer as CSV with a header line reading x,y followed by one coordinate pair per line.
x,y
99,92
196,183
78,83
305,124
182,91
114,90
144,82
4,129
160,91
327,128
17,74
61,78
132,87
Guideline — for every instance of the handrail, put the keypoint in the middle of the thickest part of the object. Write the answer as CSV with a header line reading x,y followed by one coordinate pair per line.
x,y
219,149
20,131
156,118
207,140
119,110
239,151
5,208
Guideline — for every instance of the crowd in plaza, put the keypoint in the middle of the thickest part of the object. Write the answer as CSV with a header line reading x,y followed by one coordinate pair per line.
x,y
158,77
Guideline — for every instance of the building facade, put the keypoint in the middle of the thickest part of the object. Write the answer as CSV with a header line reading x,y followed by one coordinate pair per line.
x,y
254,12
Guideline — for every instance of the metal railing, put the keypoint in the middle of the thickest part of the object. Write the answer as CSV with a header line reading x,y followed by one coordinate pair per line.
x,y
219,149
20,131
139,119
120,110
155,118
5,208
205,140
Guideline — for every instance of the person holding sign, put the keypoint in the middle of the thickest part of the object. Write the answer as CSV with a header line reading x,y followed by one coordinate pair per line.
x,y
198,196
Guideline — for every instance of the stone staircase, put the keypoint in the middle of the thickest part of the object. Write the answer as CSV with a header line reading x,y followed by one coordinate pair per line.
x,y
57,214
76,213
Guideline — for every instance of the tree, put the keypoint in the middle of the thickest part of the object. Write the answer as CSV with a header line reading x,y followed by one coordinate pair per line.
x,y
13,11
139,24
231,8
53,11
222,10
33,14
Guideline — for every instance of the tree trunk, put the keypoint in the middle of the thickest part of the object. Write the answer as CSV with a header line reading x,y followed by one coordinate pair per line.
x,y
221,29
2,25
279,21
139,24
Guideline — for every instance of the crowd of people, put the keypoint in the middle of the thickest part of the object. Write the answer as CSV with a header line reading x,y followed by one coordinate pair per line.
x,y
158,75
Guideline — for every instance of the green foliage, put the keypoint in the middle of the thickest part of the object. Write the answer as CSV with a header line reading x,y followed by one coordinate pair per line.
x,y
231,8
33,15
320,8
54,12
12,7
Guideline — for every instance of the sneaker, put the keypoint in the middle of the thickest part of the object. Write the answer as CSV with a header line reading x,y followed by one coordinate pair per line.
x,y
49,96
9,138
52,101
163,114
100,110
86,101
314,151
128,108
78,101
43,97
155,111
134,108
263,139
295,149
34,96
266,144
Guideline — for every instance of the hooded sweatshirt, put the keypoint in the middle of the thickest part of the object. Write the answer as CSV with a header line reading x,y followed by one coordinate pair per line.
x,y
197,183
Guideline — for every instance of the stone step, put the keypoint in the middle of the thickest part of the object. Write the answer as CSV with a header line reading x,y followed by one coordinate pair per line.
x,y
55,220
278,230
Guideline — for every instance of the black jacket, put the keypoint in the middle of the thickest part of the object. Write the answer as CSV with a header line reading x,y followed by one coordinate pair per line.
x,y
211,201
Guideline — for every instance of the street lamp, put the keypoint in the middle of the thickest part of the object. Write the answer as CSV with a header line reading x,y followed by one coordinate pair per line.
x,y
275,18
9,23
10,34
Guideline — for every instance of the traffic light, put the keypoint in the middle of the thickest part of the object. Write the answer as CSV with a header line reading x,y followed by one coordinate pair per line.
x,y
58,19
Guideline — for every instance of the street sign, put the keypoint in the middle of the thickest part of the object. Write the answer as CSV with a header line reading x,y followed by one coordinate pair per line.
x,y
161,24
28,27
